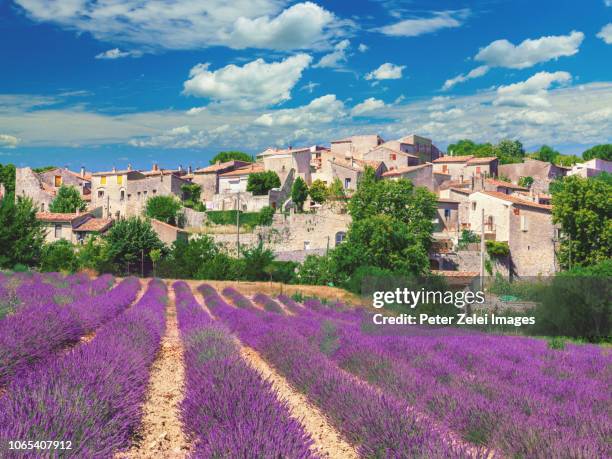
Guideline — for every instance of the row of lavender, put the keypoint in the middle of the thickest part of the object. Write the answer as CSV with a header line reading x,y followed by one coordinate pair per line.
x,y
22,290
380,424
92,396
37,332
228,409
510,393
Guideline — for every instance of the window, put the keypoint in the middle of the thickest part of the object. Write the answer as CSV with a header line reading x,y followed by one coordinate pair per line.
x,y
392,156
445,168
58,231
138,195
517,211
340,235
119,179
144,193
42,206
478,170
100,193
154,191
129,197
103,180
473,206
306,245
447,214
347,183
122,195
523,223
58,181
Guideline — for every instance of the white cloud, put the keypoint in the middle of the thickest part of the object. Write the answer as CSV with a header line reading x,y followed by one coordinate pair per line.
x,y
323,109
474,73
531,92
362,48
386,71
608,2
419,26
337,57
257,83
186,24
310,86
195,110
366,106
8,141
116,53
502,53
606,33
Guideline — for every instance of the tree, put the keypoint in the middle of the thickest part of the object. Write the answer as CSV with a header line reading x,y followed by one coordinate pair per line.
x,y
584,210
163,208
318,191
191,196
260,183
225,156
299,193
94,255
336,190
603,151
130,242
510,151
186,258
525,181
59,256
546,153
256,260
68,200
467,147
7,177
21,234
155,255
316,270
266,216
567,160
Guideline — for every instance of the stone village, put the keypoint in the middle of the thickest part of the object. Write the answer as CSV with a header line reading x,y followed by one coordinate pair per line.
x,y
465,185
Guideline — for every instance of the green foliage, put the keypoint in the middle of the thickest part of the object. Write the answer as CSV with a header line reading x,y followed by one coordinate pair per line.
x,y
59,256
508,151
299,193
603,151
336,190
584,210
68,200
316,270
40,170
355,282
318,191
497,249
192,196
577,304
504,178
228,217
546,153
283,271
556,343
166,209
260,183
525,181
7,177
187,258
21,234
94,255
130,242
567,160
225,156
467,237
265,216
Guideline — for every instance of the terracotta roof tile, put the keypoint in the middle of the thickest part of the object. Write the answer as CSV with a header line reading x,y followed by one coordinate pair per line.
x,y
57,217
452,159
220,166
515,200
250,169
95,225
404,170
484,160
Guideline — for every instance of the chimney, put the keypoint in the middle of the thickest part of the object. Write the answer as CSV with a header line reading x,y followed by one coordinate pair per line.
x,y
155,167
180,168
189,169
114,169
129,168
83,171
472,183
218,162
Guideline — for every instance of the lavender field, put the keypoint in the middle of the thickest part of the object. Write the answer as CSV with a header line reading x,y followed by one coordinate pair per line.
x,y
82,360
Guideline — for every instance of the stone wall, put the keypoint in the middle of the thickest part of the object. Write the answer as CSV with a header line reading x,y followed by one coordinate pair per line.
x,y
193,218
28,184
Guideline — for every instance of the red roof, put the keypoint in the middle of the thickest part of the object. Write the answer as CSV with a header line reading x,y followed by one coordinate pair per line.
x,y
56,217
484,160
95,225
453,159
250,169
515,200
404,170
220,166
506,184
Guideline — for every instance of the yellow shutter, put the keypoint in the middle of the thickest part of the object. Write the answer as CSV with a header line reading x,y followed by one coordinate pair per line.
x,y
103,180
119,179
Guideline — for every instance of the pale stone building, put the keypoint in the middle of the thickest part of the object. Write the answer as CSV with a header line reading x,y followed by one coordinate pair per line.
x,y
208,177
464,167
283,161
72,227
421,147
591,168
526,226
542,172
42,187
355,146
393,158
421,175
235,181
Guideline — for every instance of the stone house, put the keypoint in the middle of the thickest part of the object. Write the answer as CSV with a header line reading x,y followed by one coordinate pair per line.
x,y
421,175
208,177
42,187
167,233
460,167
393,159
502,187
526,226
543,173
447,220
235,181
123,193
283,161
421,147
349,171
73,227
355,146
591,168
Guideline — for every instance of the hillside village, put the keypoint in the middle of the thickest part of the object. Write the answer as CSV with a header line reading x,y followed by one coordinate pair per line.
x,y
475,194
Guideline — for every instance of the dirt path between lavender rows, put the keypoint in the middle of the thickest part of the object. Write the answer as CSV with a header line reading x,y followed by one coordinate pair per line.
x,y
328,443
161,434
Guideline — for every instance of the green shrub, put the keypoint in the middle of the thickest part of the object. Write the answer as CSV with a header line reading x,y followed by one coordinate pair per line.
x,y
498,248
58,256
266,216
228,217
260,183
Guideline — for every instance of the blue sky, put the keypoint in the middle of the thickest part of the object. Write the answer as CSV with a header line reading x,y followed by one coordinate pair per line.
x,y
128,81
